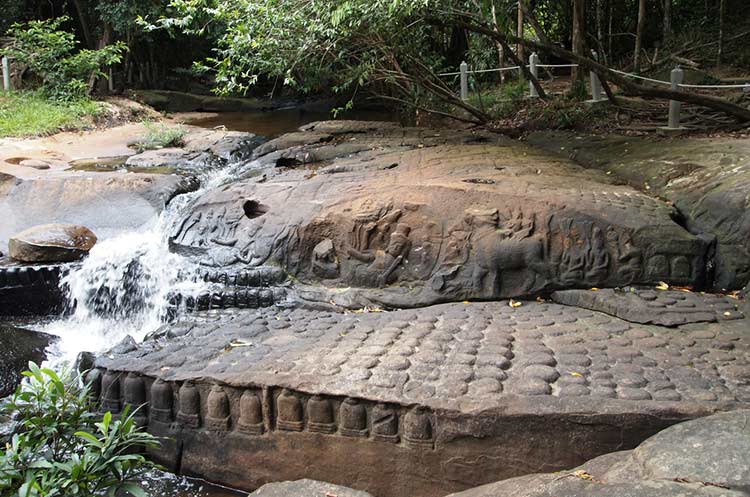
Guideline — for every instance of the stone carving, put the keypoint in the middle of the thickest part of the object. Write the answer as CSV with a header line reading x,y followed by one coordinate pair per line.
x,y
110,392
418,428
189,414
320,415
353,418
289,412
218,417
251,414
134,390
94,383
384,424
498,247
380,244
325,264
160,408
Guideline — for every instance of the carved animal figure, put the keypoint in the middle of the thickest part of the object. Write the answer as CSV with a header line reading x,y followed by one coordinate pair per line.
x,y
498,249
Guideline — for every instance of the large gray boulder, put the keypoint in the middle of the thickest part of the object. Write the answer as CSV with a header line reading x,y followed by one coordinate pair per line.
x,y
52,243
306,488
704,457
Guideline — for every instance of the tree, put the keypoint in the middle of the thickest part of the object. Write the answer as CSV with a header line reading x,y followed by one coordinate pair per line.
x,y
579,34
667,24
639,35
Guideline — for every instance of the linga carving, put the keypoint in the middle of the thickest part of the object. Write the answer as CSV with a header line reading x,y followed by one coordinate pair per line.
x,y
353,416
218,417
320,415
189,414
251,414
110,392
160,409
289,412
134,389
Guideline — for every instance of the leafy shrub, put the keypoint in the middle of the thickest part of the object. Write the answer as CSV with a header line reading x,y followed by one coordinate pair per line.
x,y
159,135
59,449
29,113
50,53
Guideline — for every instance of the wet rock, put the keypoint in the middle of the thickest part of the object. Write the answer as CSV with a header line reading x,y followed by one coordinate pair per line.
x,y
705,457
51,243
127,344
18,346
106,203
306,488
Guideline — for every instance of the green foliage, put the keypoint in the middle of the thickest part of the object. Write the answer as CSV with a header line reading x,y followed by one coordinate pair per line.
x,y
60,449
30,114
50,53
159,135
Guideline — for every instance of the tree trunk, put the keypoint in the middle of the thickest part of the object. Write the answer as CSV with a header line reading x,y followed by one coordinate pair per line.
x,y
609,29
667,20
519,33
600,26
639,35
579,34
531,19
739,112
722,14
87,38
498,45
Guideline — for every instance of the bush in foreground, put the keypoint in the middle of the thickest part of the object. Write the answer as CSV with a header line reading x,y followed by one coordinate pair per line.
x,y
61,447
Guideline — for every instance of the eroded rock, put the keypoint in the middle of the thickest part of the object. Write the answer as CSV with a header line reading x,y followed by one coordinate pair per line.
x,y
705,457
18,346
51,243
378,213
306,488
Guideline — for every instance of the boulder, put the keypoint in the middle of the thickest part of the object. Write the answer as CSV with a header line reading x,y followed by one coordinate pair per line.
x,y
52,243
306,488
705,457
18,346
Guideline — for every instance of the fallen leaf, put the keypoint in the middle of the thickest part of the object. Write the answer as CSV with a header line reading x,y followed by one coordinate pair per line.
x,y
514,303
583,475
727,313
594,289
466,302
662,286
576,374
239,343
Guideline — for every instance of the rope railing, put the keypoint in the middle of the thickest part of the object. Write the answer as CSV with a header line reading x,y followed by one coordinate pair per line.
x,y
675,82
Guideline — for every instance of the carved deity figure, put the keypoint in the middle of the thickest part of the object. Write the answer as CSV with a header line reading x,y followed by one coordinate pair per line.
x,y
381,263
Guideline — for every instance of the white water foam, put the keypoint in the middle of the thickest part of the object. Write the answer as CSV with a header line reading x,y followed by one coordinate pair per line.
x,y
123,286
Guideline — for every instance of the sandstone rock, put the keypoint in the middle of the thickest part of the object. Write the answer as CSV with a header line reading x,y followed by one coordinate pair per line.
x,y
416,216
706,179
51,243
18,346
306,488
106,203
706,457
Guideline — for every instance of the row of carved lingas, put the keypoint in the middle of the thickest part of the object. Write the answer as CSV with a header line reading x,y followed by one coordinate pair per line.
x,y
353,414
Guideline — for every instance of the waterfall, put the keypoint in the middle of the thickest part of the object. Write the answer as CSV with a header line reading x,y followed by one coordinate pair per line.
x,y
123,286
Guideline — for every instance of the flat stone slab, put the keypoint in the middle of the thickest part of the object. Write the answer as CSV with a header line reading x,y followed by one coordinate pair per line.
x,y
425,401
705,457
654,306
306,488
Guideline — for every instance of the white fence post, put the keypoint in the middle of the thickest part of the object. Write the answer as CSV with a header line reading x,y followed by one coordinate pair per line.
x,y
464,68
596,85
6,74
676,77
533,61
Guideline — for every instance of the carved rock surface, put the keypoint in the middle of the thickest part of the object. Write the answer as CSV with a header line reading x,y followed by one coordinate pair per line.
x,y
439,399
51,243
404,217
650,306
306,488
705,457
706,179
